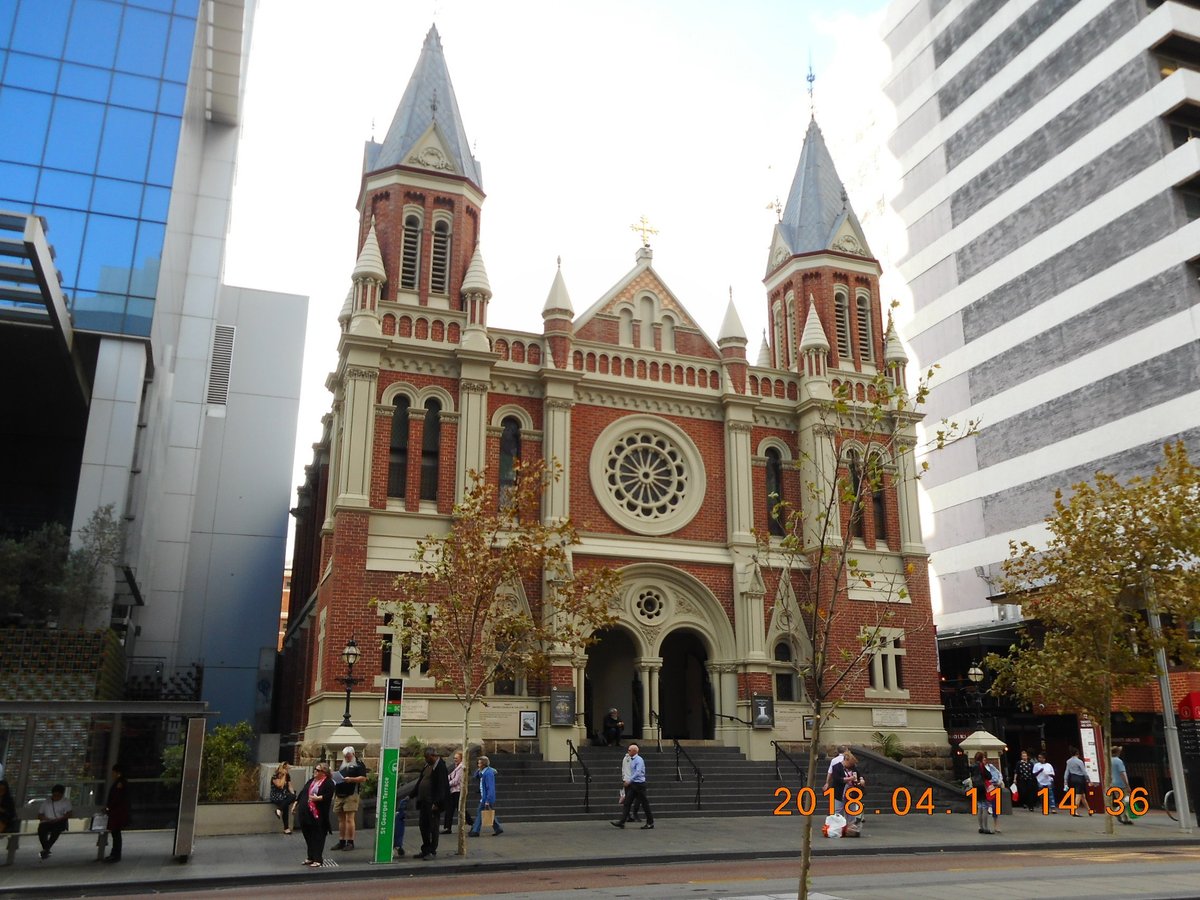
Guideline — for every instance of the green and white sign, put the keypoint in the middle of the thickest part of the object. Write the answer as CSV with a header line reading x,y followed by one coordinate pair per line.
x,y
389,765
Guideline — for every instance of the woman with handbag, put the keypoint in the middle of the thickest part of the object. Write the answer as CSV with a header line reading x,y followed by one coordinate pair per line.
x,y
282,795
1026,782
1075,777
312,813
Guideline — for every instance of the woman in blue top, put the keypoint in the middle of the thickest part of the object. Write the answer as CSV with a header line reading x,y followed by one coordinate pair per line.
x,y
487,796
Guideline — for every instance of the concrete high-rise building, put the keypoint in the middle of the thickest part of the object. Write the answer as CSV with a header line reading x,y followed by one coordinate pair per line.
x,y
1050,194
135,377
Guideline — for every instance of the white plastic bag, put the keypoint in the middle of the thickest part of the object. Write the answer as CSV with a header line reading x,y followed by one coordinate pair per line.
x,y
834,825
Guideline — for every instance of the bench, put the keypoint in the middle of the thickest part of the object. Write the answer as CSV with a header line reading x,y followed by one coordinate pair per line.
x,y
76,826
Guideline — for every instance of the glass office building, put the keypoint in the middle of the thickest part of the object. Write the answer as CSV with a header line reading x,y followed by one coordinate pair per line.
x,y
91,104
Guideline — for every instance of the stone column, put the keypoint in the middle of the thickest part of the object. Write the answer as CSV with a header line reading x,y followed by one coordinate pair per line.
x,y
358,436
472,433
557,447
906,499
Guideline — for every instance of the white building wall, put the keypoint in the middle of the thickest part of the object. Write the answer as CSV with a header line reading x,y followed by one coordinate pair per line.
x,y
1048,258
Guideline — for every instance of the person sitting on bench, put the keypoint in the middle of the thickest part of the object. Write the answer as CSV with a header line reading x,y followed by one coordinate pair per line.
x,y
52,818
613,726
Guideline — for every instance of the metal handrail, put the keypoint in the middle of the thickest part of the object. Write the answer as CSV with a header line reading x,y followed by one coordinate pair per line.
x,y
572,755
654,718
679,751
734,719
779,751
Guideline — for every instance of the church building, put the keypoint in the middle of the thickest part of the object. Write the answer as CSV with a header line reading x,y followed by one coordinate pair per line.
x,y
675,450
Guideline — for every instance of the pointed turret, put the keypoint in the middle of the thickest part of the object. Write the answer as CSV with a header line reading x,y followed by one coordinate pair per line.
x,y
558,321
476,292
370,260
558,301
347,309
764,353
428,104
369,277
731,327
817,215
813,339
894,356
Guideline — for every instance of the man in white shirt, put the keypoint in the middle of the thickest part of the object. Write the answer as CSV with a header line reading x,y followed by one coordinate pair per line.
x,y
1044,773
52,818
841,756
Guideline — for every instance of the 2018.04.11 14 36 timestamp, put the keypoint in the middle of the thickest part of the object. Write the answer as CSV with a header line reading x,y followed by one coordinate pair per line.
x,y
807,801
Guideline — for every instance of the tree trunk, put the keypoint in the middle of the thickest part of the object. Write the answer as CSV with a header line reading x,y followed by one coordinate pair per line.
x,y
463,789
806,830
1106,778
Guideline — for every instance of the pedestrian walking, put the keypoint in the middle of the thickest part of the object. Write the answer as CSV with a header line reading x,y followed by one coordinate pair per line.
x,y
456,780
635,790
1044,773
843,777
1120,779
53,816
487,797
841,754
312,814
398,828
1076,778
626,770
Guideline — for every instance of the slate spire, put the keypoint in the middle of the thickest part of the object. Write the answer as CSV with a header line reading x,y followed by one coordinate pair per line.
x,y
428,101
817,206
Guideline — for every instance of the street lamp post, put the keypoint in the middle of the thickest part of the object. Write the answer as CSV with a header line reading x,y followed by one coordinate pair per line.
x,y
350,654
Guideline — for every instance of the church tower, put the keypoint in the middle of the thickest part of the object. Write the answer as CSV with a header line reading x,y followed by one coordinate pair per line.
x,y
424,190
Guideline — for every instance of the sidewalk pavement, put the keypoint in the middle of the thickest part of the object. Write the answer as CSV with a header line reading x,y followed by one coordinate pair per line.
x,y
229,861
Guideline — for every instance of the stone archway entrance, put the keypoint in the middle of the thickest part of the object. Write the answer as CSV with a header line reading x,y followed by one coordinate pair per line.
x,y
685,693
611,679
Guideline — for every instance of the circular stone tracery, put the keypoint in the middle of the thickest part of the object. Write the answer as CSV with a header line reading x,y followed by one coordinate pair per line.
x,y
647,474
649,606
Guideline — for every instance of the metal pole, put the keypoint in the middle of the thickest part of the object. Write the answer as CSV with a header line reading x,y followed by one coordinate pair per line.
x,y
349,681
1170,731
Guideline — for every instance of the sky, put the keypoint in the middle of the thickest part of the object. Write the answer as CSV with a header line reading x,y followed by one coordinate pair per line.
x,y
584,117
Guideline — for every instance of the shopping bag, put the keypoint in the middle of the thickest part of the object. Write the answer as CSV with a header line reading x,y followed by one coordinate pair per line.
x,y
99,822
1016,795
487,818
834,826
621,798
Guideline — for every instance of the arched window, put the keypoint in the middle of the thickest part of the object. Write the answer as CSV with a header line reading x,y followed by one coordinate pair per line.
x,y
841,319
865,343
854,494
429,449
787,362
668,335
878,501
625,335
398,450
777,335
785,678
439,267
510,454
646,325
410,254
774,490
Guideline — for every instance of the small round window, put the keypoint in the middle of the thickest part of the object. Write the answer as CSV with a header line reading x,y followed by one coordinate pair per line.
x,y
649,605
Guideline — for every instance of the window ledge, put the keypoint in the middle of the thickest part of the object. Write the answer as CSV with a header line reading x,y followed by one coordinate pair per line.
x,y
876,694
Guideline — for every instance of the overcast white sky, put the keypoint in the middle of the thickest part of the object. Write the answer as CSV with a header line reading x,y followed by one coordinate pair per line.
x,y
584,117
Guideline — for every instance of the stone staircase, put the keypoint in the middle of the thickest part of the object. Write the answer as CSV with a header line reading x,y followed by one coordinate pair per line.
x,y
530,789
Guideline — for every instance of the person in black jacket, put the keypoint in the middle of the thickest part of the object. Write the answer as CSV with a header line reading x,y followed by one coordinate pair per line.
x,y
312,813
432,794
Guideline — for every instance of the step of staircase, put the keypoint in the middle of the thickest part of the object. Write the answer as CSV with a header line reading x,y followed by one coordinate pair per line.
x,y
531,789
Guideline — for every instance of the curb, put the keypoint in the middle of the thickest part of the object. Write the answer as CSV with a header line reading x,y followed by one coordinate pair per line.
x,y
370,871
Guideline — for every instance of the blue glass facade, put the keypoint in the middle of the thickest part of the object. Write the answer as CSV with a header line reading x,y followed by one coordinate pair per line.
x,y
91,102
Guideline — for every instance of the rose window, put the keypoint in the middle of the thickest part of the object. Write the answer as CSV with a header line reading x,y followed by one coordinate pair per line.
x,y
647,475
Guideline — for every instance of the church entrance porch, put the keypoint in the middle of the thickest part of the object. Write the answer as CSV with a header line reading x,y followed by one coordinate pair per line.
x,y
612,679
685,695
